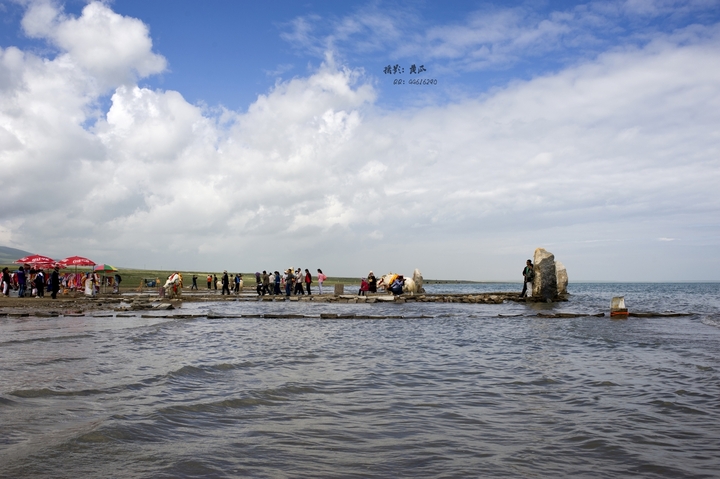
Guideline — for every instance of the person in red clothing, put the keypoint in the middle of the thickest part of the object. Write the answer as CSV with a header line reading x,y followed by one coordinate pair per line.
x,y
364,287
308,280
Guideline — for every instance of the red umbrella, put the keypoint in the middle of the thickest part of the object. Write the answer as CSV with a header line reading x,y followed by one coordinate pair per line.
x,y
36,259
46,265
77,261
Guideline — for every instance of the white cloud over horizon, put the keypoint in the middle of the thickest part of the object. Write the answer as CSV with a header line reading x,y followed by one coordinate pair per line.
x,y
595,162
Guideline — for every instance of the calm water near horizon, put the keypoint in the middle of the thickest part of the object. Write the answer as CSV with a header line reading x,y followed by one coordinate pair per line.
x,y
460,392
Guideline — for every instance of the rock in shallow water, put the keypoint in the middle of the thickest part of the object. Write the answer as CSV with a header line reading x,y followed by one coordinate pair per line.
x,y
545,284
562,277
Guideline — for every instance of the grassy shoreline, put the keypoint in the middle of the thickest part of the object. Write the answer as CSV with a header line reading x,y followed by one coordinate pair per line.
x,y
132,277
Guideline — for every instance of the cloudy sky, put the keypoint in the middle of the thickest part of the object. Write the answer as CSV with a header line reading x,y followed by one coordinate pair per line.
x,y
223,134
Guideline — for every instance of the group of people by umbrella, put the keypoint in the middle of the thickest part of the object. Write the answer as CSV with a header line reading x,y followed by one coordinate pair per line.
x,y
32,277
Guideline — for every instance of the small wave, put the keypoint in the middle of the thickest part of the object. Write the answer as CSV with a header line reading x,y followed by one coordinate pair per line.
x,y
711,321
191,371
599,444
538,382
39,445
215,407
187,371
46,392
230,366
95,437
264,397
284,393
671,406
604,383
45,339
56,360
6,402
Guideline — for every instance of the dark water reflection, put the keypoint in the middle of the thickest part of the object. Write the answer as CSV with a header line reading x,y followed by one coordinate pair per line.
x,y
462,394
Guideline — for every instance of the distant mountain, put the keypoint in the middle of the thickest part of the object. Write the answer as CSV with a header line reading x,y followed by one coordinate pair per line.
x,y
8,255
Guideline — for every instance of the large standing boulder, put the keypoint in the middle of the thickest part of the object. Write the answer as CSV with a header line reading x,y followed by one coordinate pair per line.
x,y
562,277
545,285
417,277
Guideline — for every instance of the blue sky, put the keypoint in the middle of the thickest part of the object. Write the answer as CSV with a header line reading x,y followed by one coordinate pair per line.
x,y
226,52
589,128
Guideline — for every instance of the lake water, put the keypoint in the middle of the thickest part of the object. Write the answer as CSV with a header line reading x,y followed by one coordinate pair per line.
x,y
462,393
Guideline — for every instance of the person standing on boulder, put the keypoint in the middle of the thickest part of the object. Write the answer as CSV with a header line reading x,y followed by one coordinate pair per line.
x,y
528,276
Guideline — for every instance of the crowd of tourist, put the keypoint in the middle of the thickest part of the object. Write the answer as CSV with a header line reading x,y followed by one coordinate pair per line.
x,y
29,281
289,282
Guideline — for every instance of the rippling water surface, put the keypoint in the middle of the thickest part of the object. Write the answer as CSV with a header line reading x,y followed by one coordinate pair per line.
x,y
461,393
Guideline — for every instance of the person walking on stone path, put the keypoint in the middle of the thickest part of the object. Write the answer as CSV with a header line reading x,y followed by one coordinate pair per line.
x,y
528,276
118,280
299,282
288,281
194,285
225,283
209,281
372,282
265,283
215,282
308,281
278,279
55,282
321,279
271,283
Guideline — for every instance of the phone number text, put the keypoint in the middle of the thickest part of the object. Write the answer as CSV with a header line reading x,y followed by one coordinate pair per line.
x,y
418,81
